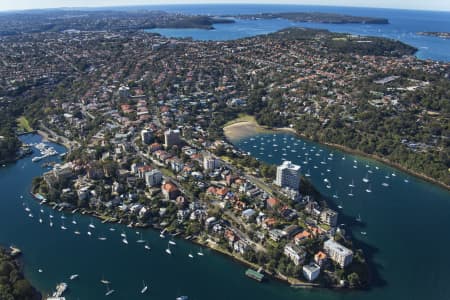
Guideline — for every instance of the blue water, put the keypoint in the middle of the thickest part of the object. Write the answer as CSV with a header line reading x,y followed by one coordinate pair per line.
x,y
404,24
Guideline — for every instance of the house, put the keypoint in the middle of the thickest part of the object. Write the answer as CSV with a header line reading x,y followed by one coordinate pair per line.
x,y
170,190
276,234
272,203
291,230
296,253
301,237
320,258
241,246
311,271
153,178
248,214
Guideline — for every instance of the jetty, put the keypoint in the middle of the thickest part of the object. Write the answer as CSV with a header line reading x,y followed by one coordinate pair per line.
x,y
254,275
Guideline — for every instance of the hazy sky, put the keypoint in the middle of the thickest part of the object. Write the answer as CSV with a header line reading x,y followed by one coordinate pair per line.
x,y
407,4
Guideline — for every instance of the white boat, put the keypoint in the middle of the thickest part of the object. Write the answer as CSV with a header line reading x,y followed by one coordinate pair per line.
x,y
340,177
104,281
144,289
140,241
77,232
40,220
340,206
351,193
124,240
51,223
168,251
63,227
366,179
385,184
172,242
190,255
393,174
363,233
40,270
369,189
182,298
63,217
108,291
92,225
406,180
74,222
200,252
51,216
335,195
74,276
89,233
147,247
102,238
358,218
42,211
308,174
123,234
112,229
352,184
27,209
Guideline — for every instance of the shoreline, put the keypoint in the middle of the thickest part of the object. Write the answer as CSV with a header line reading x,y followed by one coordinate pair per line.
x,y
237,126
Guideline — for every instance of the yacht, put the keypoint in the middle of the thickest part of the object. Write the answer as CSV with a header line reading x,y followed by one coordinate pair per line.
x,y
104,281
63,227
92,225
42,211
351,193
385,184
102,238
140,240
40,220
168,251
145,287
77,232
123,234
172,242
147,247
366,179
340,177
112,229
108,291
89,233
74,222
406,180
190,255
27,209
51,223
74,276
124,240
369,189
352,184
393,174
200,252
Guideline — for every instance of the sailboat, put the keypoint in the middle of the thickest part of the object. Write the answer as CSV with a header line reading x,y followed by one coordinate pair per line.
x,y
27,209
161,235
74,276
63,227
168,251
91,224
77,232
102,238
123,234
385,184
351,192
147,247
352,184
51,223
108,291
366,179
308,174
40,220
104,281
172,242
140,240
73,221
335,195
190,255
200,252
358,218
124,240
144,289
369,189
63,217
89,233
112,229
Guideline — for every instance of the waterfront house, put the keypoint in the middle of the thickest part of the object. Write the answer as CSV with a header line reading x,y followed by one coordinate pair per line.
x,y
338,253
311,271
296,253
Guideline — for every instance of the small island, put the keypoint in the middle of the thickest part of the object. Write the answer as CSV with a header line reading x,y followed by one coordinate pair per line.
x,y
442,35
315,17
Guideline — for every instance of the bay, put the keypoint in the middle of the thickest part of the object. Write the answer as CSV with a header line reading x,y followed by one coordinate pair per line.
x,y
406,225
404,24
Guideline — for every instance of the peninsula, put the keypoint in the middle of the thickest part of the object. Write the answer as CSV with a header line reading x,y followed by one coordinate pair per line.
x,y
145,116
315,17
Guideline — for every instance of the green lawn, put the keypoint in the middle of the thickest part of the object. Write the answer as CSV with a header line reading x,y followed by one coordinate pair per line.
x,y
242,118
23,124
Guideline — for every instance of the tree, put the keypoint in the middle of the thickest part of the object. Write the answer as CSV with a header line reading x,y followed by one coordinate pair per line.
x,y
353,280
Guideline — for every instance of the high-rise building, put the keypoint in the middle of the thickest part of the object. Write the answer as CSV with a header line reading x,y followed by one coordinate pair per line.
x,y
153,178
146,136
210,162
171,137
338,253
288,175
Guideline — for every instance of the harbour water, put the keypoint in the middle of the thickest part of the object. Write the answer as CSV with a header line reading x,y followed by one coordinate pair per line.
x,y
406,225
403,26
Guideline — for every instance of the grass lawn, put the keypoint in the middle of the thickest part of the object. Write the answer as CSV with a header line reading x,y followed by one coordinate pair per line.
x,y
23,124
241,118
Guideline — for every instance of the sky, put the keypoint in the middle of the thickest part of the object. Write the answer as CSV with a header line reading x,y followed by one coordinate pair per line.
x,y
443,5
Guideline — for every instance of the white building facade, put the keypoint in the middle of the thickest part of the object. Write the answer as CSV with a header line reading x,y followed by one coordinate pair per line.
x,y
288,175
